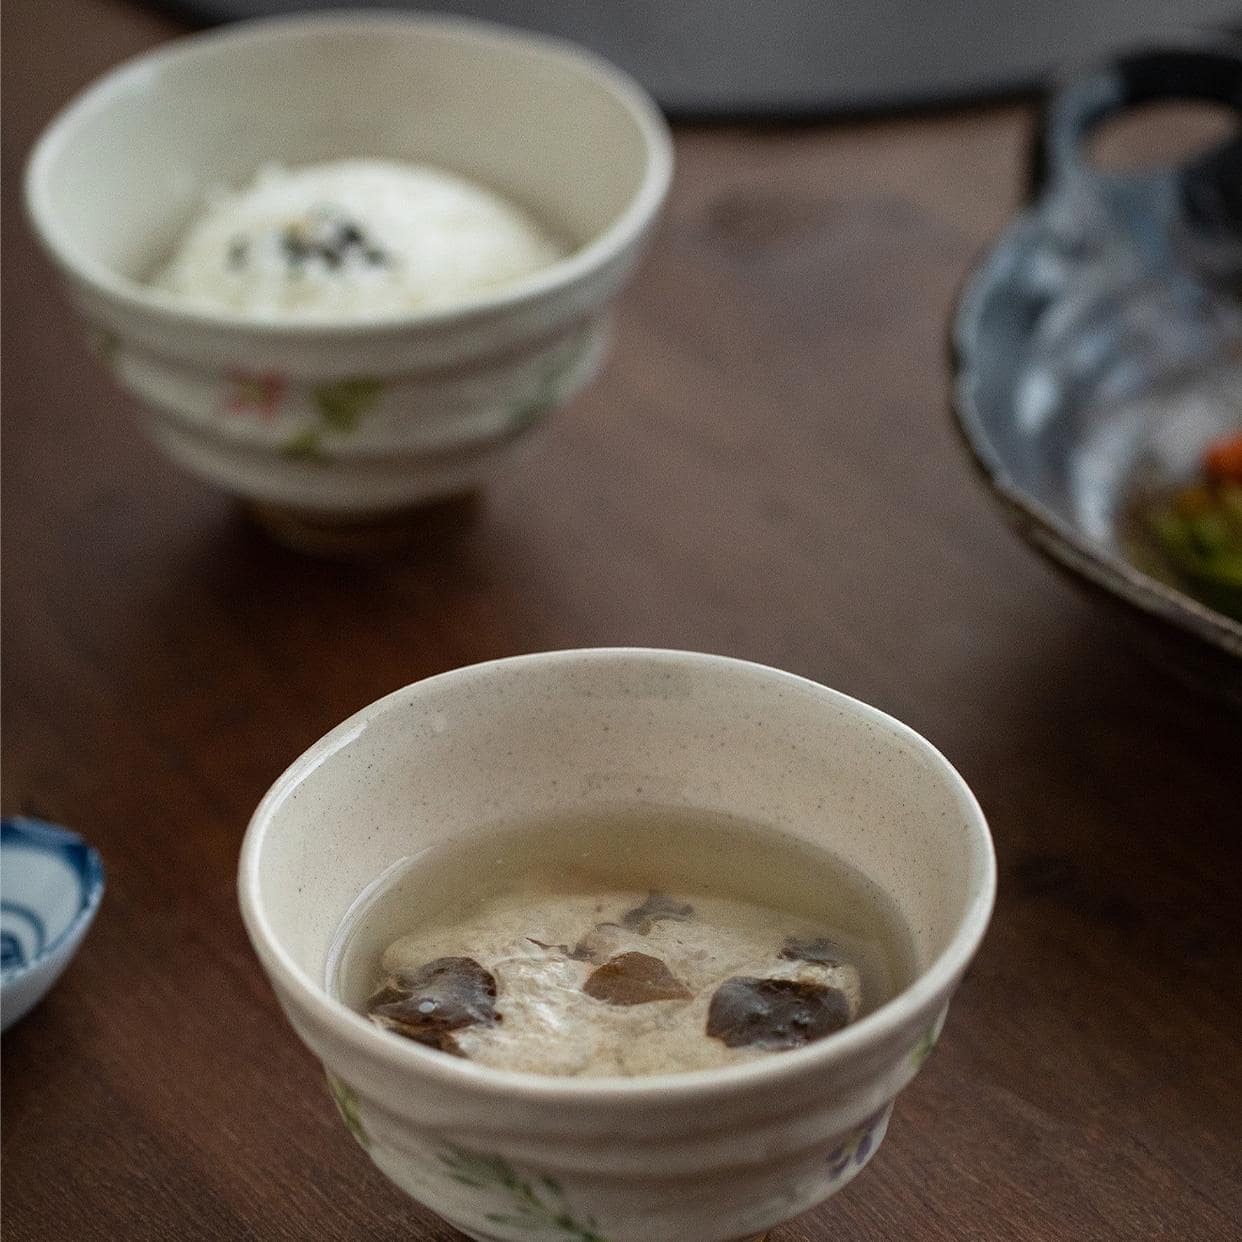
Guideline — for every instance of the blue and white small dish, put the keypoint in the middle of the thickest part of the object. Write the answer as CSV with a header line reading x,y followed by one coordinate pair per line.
x,y
51,883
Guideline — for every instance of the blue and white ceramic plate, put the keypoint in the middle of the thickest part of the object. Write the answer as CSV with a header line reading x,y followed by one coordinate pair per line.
x,y
1098,350
51,883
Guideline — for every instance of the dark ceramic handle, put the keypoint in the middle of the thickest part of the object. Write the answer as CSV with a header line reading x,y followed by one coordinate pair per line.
x,y
1207,72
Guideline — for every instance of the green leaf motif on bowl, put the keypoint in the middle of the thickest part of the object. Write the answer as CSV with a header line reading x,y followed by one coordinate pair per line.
x,y
341,406
534,1202
922,1050
106,345
305,446
342,403
347,1104
551,384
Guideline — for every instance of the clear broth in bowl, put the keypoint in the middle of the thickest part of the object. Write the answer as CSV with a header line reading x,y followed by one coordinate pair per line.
x,y
620,942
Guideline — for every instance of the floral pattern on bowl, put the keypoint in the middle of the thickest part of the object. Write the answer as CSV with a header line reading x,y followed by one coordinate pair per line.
x,y
319,439
532,1202
341,405
536,1203
859,1147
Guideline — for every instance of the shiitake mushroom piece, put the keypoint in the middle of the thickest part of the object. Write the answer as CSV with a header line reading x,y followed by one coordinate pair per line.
x,y
750,1012
577,954
634,979
821,951
656,907
442,1041
441,996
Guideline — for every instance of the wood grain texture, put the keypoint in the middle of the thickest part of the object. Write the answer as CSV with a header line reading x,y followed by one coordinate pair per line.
x,y
764,469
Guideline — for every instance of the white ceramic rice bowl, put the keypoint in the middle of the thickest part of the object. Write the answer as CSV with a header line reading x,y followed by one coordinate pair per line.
x,y
357,418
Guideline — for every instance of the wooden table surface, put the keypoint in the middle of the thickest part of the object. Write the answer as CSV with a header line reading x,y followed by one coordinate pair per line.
x,y
765,468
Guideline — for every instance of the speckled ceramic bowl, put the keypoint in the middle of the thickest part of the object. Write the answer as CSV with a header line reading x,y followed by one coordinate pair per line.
x,y
341,423
692,1157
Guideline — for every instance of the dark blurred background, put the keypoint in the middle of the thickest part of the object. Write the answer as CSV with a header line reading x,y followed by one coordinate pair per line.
x,y
707,58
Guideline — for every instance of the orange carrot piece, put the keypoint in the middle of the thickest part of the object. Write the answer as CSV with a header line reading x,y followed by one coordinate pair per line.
x,y
1223,460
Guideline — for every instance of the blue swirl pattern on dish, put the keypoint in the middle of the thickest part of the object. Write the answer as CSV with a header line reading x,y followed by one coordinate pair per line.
x,y
51,884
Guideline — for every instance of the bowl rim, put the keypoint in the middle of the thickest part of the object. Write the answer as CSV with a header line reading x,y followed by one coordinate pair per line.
x,y
623,232
1050,534
932,986
52,838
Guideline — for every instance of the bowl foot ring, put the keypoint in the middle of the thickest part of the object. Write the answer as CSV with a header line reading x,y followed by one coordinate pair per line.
x,y
350,536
